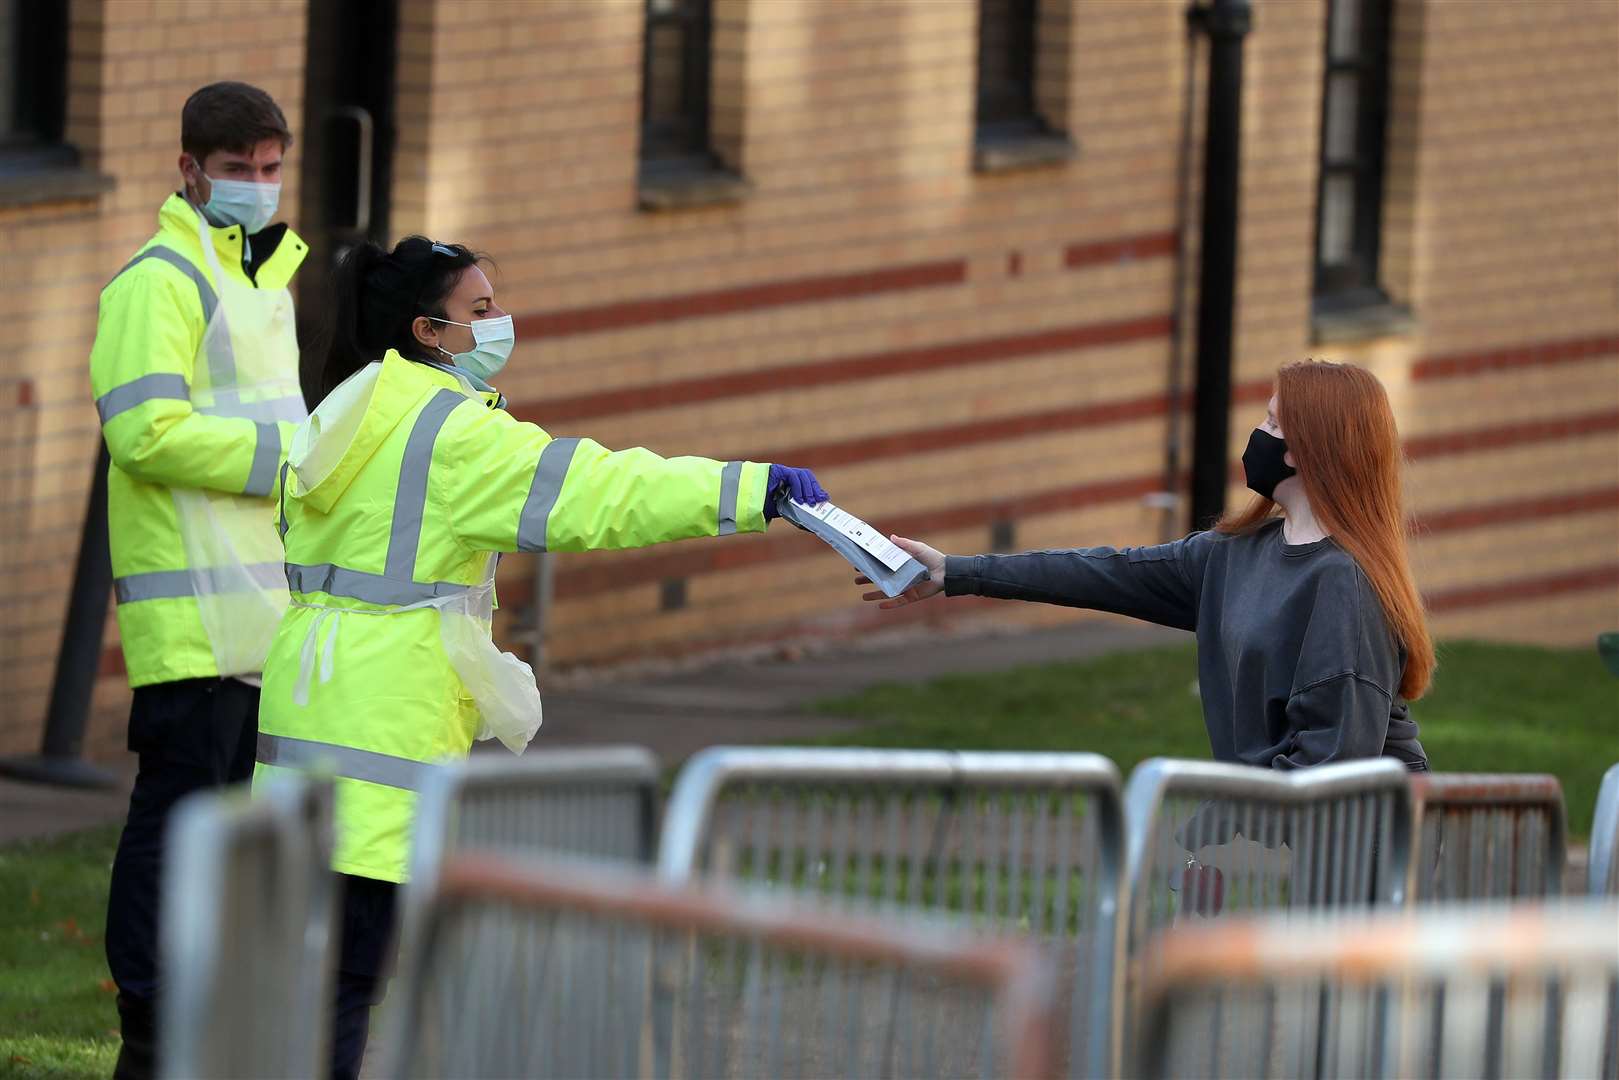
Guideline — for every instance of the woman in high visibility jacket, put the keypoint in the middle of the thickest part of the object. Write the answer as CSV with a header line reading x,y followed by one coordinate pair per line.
x,y
405,482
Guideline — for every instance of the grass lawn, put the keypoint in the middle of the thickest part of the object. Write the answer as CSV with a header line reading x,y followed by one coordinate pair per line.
x,y
1493,708
56,1000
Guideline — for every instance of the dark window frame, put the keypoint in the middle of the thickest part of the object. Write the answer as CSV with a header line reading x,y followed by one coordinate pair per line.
x,y
1008,108
681,145
1355,283
32,137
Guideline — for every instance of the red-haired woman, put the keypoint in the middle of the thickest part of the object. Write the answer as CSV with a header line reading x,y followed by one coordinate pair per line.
x,y
1311,635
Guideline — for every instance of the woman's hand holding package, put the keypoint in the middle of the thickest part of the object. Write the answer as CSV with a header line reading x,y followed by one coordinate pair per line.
x,y
932,585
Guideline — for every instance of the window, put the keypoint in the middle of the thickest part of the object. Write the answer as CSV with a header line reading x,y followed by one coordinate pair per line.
x,y
1012,129
674,88
1350,199
1006,68
33,86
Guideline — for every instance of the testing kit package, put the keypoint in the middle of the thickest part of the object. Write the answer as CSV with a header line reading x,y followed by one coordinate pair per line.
x,y
866,549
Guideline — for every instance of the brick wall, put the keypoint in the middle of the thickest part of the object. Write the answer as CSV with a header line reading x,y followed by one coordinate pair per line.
x,y
132,63
952,351
934,341
1500,231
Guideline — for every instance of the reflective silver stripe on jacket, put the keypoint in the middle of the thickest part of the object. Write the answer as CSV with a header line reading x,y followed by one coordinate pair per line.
x,y
221,362
730,484
396,586
290,408
139,391
345,761
281,502
266,452
543,493
411,498
205,290
368,588
169,584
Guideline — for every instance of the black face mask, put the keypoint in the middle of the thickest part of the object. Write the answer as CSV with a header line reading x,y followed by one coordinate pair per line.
x,y
1262,464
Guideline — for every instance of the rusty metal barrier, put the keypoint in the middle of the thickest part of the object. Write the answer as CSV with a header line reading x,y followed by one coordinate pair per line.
x,y
1603,871
1483,836
1030,843
1466,990
246,934
543,968
1207,839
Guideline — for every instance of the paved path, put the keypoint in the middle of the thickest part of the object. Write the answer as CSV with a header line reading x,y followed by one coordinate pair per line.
x,y
677,712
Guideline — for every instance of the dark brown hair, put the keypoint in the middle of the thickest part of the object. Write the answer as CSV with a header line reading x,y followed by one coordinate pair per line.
x,y
230,116
373,299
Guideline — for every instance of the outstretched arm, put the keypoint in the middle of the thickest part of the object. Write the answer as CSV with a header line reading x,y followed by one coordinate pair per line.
x,y
509,486
1159,584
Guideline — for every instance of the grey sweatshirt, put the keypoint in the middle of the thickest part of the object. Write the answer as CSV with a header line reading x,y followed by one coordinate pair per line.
x,y
1296,663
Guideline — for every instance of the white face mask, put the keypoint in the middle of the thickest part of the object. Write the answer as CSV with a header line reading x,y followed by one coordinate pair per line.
x,y
239,202
493,340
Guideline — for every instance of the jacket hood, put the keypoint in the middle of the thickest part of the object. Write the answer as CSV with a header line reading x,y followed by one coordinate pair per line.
x,y
347,429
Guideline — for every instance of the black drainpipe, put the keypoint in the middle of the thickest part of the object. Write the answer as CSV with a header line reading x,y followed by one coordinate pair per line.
x,y
1226,22
60,759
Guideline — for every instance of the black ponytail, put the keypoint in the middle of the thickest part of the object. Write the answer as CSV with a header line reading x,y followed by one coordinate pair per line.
x,y
375,296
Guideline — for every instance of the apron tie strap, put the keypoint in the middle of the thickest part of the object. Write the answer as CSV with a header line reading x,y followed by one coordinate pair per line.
x,y
306,659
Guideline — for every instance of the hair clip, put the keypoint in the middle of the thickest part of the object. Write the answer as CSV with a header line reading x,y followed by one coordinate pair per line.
x,y
444,249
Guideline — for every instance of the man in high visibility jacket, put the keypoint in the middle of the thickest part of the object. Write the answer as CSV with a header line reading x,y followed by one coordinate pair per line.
x,y
195,376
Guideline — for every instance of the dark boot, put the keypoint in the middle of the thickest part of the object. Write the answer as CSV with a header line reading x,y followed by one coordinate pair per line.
x,y
137,1023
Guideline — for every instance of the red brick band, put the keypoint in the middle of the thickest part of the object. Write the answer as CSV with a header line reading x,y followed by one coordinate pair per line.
x,y
1500,513
1518,434
1540,355
1123,250
842,369
1505,592
770,294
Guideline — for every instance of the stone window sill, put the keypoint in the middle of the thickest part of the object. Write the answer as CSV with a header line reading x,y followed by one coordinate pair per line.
x,y
50,174
685,189
1362,322
1013,153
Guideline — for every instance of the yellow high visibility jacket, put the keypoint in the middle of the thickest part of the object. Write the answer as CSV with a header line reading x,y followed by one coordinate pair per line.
x,y
195,376
397,491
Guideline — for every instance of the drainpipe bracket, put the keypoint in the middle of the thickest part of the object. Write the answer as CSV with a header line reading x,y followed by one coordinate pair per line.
x,y
1227,19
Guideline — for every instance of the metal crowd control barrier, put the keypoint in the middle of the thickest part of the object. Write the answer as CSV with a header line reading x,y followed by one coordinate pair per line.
x,y
1207,839
246,934
1474,990
542,968
1488,836
1024,842
1604,867
600,802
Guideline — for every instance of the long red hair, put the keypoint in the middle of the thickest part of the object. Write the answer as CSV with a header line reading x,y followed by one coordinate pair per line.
x,y
1340,429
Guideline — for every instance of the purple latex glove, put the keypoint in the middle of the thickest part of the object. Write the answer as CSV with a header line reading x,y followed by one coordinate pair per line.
x,y
801,486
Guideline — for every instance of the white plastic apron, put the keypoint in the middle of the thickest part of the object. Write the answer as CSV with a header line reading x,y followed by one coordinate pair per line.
x,y
502,686
246,366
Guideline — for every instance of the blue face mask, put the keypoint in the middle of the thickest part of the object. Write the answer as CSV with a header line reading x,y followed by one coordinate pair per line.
x,y
493,340
238,202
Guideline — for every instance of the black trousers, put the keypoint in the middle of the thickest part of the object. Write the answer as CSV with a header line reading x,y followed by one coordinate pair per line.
x,y
190,736
367,948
